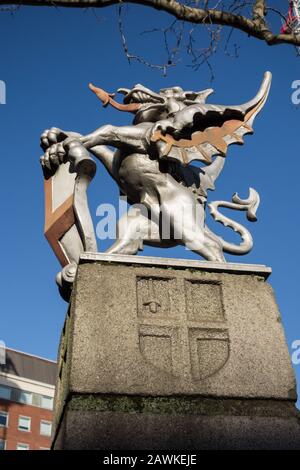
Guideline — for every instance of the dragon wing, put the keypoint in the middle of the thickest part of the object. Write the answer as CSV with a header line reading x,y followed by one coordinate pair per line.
x,y
210,128
200,179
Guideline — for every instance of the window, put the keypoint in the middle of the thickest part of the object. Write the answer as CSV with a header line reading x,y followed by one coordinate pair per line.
x,y
45,428
47,402
3,419
2,444
25,397
5,392
22,446
24,423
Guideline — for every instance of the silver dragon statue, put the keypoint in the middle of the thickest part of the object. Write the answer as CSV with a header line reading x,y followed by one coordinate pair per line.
x,y
151,164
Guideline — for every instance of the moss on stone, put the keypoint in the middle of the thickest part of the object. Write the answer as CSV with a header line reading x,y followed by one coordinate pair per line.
x,y
182,405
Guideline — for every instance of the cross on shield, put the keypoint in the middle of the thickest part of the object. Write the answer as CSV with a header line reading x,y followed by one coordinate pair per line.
x,y
183,338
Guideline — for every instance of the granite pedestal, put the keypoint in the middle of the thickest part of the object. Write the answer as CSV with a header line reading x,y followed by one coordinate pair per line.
x,y
173,354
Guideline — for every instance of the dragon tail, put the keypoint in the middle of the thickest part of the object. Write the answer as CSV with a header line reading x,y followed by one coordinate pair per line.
x,y
250,205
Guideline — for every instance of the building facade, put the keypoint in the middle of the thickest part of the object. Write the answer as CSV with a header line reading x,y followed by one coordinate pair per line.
x,y
27,386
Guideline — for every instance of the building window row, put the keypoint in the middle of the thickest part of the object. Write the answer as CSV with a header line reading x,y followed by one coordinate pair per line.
x,y
27,398
24,424
19,446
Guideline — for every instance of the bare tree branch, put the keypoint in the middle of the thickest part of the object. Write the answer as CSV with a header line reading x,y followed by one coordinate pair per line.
x,y
255,26
163,67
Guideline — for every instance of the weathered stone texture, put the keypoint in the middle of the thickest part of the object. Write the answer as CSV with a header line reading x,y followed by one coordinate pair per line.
x,y
173,332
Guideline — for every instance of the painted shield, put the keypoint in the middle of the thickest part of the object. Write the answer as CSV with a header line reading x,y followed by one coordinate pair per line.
x,y
68,223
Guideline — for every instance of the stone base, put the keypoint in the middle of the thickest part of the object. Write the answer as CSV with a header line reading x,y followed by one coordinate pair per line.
x,y
146,423
173,354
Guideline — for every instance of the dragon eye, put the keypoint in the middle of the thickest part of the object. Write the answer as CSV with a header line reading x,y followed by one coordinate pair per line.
x,y
190,96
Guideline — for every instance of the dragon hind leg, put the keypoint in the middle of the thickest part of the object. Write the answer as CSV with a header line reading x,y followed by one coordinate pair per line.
x,y
133,229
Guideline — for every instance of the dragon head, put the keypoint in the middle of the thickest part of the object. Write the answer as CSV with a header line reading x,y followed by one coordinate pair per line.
x,y
149,106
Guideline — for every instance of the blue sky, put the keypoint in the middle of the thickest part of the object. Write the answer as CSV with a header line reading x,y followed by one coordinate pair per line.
x,y
47,57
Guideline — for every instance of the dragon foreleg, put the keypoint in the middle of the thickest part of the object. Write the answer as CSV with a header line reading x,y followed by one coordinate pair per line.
x,y
250,205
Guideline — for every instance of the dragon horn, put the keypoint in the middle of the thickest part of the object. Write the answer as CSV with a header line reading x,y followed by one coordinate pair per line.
x,y
254,106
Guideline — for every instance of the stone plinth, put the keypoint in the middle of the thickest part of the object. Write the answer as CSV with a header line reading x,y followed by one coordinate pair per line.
x,y
173,354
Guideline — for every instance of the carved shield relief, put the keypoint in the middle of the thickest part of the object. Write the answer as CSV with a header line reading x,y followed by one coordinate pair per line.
x,y
183,338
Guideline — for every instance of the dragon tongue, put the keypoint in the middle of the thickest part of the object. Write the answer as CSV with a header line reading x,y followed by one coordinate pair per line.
x,y
107,98
101,94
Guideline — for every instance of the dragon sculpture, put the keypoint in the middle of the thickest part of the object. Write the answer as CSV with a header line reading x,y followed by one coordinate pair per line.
x,y
151,164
